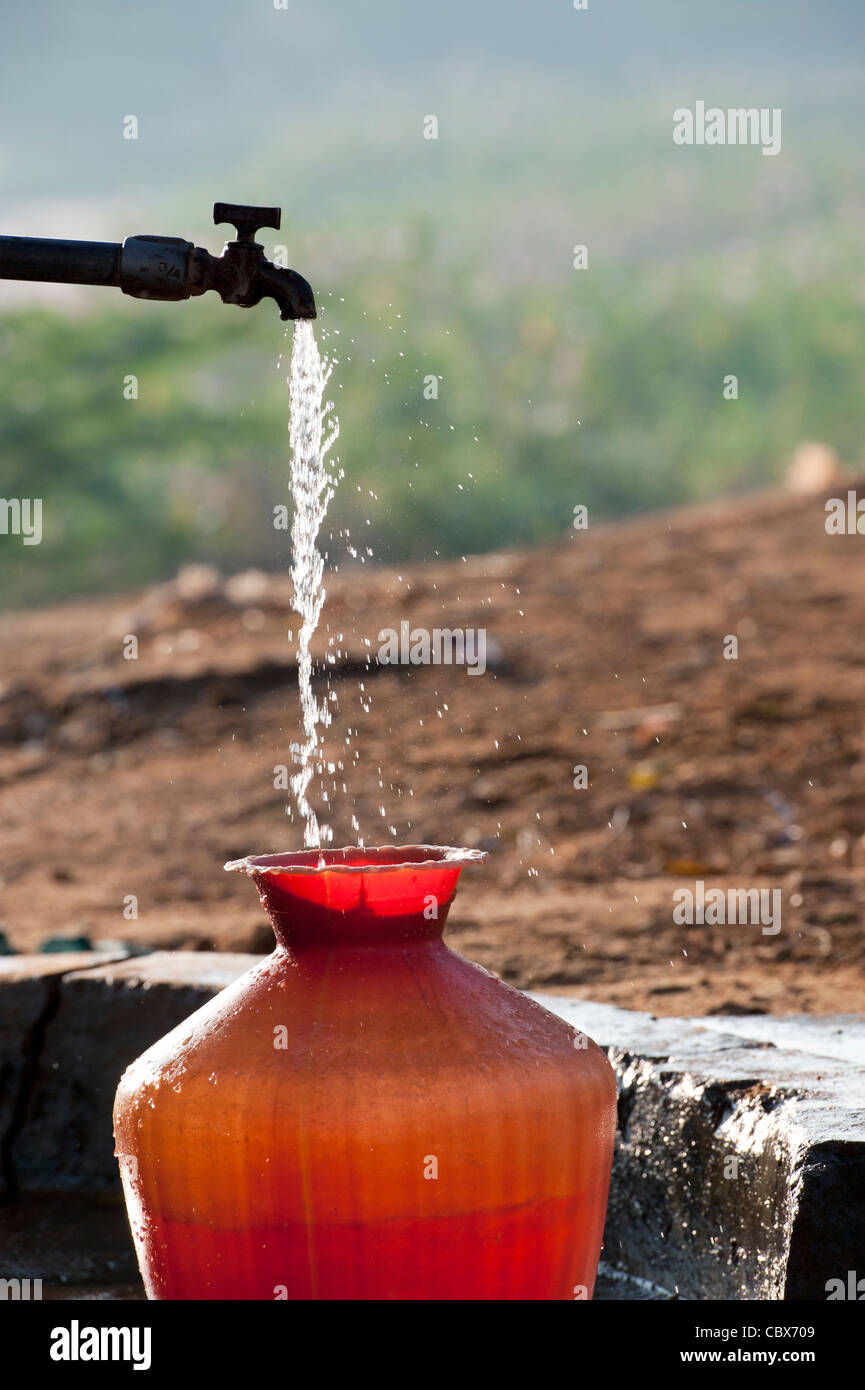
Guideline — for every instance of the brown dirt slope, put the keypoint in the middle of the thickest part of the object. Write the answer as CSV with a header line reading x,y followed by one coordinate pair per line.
x,y
136,778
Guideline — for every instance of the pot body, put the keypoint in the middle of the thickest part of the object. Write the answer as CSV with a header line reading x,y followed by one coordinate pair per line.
x,y
366,1115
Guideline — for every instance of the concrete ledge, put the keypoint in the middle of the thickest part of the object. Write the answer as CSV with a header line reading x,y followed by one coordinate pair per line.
x,y
104,1018
740,1160
30,988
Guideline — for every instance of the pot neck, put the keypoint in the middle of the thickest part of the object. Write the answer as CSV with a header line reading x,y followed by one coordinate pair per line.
x,y
312,927
374,904
356,899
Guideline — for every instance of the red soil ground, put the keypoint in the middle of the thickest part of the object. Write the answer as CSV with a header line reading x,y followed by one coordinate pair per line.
x,y
140,777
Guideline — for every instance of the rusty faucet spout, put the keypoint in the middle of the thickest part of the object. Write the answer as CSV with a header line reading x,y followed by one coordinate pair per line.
x,y
292,293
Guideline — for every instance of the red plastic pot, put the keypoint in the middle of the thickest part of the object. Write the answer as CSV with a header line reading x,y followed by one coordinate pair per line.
x,y
365,1114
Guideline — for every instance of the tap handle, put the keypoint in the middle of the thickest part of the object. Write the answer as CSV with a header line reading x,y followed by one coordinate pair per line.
x,y
246,220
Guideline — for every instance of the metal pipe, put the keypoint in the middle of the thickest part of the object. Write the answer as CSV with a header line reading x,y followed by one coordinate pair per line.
x,y
68,262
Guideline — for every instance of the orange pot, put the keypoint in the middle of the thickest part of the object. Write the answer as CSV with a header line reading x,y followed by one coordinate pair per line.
x,y
365,1114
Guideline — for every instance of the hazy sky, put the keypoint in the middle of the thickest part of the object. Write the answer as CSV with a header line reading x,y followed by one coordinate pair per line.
x,y
224,84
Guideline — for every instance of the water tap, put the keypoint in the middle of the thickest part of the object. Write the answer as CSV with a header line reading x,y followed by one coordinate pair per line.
x,y
160,267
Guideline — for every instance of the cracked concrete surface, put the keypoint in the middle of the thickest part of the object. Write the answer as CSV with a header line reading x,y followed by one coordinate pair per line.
x,y
30,988
740,1160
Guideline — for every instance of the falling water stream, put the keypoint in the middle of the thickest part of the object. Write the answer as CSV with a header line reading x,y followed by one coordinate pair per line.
x,y
312,431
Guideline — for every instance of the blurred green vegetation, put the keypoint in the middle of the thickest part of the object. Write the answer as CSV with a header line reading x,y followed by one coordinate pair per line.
x,y
605,389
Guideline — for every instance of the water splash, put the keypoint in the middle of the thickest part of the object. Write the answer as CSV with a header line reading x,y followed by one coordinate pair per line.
x,y
312,487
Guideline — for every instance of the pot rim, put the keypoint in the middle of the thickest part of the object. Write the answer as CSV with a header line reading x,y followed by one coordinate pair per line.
x,y
309,861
